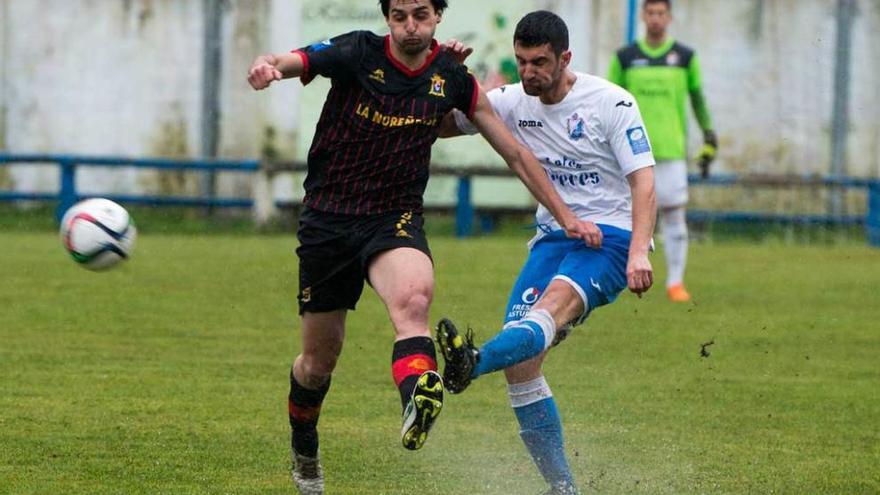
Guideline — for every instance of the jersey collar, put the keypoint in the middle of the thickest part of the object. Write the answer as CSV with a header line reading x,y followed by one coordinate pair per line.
x,y
435,49
656,52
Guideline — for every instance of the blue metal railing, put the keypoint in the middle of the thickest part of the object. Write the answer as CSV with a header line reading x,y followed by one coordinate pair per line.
x,y
464,209
68,195
726,180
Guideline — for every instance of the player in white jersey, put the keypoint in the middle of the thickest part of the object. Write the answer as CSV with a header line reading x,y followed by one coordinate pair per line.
x,y
589,136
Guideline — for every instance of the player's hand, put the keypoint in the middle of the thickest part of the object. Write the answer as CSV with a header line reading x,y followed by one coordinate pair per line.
x,y
262,74
457,49
639,274
707,155
588,231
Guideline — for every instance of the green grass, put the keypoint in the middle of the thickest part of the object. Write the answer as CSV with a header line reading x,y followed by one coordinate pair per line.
x,y
169,376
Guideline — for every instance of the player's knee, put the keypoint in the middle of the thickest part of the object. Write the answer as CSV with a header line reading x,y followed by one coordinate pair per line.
x,y
415,305
317,367
562,302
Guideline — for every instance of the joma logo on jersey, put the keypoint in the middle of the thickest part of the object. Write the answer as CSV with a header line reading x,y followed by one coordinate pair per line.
x,y
530,123
438,86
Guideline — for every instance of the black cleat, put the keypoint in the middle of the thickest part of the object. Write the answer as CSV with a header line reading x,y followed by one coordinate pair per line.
x,y
422,410
460,355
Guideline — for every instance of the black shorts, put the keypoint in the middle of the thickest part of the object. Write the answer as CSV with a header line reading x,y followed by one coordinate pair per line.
x,y
335,251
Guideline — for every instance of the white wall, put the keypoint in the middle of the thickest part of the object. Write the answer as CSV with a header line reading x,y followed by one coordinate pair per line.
x,y
768,74
90,77
123,78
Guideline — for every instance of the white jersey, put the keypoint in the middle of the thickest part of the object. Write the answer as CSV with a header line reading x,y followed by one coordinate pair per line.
x,y
588,143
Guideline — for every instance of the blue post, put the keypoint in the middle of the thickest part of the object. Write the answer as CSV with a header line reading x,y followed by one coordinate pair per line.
x,y
487,223
872,223
67,196
464,210
631,21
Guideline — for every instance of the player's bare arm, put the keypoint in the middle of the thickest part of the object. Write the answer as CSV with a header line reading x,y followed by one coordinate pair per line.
x,y
531,173
639,274
274,67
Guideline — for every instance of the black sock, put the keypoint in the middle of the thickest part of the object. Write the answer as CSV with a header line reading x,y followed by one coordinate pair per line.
x,y
410,358
303,408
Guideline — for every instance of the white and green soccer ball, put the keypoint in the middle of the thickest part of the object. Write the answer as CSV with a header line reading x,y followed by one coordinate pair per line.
x,y
98,233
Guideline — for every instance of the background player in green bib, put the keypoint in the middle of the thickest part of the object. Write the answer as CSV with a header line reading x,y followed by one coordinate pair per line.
x,y
662,74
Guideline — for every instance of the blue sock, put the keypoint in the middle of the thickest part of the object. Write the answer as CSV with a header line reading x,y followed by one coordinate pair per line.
x,y
541,430
517,343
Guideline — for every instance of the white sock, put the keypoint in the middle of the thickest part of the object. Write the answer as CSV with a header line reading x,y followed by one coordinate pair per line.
x,y
545,321
675,244
523,394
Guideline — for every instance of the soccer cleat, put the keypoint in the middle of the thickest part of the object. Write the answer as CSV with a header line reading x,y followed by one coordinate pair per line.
x,y
308,477
422,410
678,294
460,356
562,489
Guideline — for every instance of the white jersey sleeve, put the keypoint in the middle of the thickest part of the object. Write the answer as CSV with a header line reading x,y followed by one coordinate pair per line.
x,y
625,130
499,103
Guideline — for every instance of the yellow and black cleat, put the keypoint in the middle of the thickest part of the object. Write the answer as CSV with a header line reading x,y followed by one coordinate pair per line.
x,y
422,410
460,356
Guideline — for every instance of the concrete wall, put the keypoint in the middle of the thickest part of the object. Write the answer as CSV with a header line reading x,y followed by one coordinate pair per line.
x,y
123,77
768,73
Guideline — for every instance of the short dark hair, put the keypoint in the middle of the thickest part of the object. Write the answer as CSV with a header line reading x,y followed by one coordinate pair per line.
x,y
648,2
541,27
439,6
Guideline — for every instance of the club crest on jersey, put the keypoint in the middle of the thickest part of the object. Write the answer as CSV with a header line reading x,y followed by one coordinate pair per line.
x,y
576,127
672,58
438,86
530,295
378,75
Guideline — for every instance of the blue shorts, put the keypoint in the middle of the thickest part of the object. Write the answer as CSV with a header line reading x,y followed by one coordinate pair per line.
x,y
598,275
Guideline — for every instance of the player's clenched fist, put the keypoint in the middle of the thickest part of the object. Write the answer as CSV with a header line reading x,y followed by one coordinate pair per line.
x,y
639,274
262,73
586,230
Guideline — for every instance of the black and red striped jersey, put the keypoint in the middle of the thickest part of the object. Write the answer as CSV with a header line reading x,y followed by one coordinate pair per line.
x,y
372,144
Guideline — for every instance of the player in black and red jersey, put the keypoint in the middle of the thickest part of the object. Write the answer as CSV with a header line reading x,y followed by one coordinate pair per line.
x,y
367,172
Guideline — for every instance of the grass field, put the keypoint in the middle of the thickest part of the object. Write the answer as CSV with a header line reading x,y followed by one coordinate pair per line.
x,y
169,376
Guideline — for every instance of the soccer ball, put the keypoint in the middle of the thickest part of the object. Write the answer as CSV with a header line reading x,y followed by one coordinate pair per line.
x,y
98,233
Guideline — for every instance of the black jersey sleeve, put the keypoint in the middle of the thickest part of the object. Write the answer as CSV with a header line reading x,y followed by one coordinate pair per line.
x,y
336,58
466,96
